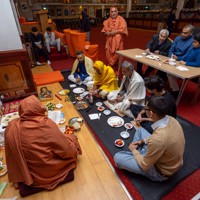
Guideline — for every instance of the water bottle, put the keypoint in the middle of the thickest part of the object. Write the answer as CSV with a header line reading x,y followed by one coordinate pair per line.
x,y
91,98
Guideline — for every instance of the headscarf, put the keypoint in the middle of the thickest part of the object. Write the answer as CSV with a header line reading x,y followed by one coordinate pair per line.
x,y
107,80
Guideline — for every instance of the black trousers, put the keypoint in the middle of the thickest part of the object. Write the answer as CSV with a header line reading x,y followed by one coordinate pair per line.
x,y
42,52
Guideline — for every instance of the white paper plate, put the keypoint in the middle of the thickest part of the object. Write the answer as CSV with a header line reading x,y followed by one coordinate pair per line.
x,y
4,170
78,90
119,145
59,105
106,112
98,104
115,121
153,57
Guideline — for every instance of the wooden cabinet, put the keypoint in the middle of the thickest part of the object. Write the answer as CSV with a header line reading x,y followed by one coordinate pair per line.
x,y
16,80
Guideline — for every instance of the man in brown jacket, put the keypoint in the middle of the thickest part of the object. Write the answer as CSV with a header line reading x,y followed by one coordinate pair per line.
x,y
157,156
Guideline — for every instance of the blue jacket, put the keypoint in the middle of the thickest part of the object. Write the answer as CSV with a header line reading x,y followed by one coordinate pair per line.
x,y
181,46
192,58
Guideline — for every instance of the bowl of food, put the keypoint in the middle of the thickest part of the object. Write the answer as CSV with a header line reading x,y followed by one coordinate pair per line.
x,y
101,108
69,130
128,126
119,143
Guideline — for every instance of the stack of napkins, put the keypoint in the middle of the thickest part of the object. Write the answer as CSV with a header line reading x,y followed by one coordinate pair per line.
x,y
54,116
94,116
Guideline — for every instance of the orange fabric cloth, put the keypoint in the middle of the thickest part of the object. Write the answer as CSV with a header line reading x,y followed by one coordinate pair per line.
x,y
114,42
37,152
48,78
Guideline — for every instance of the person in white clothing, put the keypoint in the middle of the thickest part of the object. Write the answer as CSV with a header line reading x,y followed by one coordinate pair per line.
x,y
132,90
50,40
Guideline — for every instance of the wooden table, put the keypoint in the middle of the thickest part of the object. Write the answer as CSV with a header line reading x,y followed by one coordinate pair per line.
x,y
184,75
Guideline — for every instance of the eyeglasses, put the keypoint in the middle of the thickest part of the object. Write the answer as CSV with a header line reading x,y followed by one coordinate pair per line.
x,y
146,109
80,58
185,32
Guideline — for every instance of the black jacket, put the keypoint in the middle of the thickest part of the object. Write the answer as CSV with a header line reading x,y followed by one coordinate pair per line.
x,y
163,48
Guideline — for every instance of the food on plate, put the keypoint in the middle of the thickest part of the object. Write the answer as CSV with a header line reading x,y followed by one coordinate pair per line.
x,y
81,105
62,121
79,98
50,106
119,143
128,125
119,123
64,92
69,130
101,108
6,119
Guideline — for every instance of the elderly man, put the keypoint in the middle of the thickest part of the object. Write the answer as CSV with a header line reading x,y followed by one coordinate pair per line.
x,y
132,90
157,156
159,44
181,45
115,28
82,70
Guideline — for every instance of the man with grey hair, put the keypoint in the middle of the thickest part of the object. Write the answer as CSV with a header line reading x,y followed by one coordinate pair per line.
x,y
159,44
131,91
181,45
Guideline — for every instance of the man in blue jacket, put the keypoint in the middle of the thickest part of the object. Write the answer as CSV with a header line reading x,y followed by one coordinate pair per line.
x,y
181,45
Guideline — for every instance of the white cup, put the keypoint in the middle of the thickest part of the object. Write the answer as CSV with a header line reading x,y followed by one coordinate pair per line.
x,y
172,63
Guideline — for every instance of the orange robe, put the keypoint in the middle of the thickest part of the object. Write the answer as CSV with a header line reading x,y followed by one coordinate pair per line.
x,y
114,42
37,152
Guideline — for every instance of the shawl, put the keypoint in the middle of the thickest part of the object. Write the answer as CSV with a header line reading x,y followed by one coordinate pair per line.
x,y
88,66
37,152
107,79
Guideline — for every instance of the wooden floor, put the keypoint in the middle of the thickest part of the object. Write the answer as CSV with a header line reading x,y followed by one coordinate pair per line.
x,y
94,178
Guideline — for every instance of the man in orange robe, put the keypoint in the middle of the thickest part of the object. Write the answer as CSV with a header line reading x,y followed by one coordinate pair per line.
x,y
38,154
115,28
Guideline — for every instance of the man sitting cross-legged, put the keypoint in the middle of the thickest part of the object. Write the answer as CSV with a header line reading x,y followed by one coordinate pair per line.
x,y
82,70
132,90
157,156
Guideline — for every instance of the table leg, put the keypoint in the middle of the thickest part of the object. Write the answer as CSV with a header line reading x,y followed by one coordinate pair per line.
x,y
119,65
184,83
197,92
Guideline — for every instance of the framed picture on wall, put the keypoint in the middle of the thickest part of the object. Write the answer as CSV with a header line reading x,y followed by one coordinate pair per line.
x,y
91,11
72,11
59,12
66,11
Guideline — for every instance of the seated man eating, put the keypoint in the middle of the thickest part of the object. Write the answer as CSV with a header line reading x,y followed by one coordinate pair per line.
x,y
132,90
157,156
105,80
38,154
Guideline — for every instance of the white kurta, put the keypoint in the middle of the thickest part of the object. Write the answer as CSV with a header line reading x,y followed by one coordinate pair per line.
x,y
136,92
